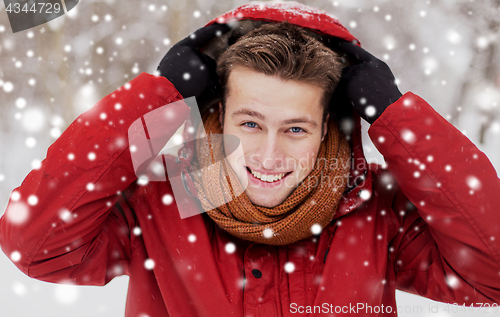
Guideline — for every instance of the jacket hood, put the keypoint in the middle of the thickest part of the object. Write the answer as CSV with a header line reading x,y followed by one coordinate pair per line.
x,y
321,25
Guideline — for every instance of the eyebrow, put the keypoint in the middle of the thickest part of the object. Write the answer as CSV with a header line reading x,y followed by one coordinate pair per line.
x,y
248,112
260,116
300,120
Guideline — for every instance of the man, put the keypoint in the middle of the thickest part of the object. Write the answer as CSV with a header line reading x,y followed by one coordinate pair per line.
x,y
299,247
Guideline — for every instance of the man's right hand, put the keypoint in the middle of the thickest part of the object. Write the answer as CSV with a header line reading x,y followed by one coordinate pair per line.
x,y
191,72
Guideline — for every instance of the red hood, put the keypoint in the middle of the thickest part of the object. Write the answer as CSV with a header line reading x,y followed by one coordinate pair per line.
x,y
299,14
320,22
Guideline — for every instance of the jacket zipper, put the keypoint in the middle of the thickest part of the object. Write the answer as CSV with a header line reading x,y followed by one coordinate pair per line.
x,y
244,280
330,242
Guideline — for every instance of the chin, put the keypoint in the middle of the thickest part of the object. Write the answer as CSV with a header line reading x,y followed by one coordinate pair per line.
x,y
268,201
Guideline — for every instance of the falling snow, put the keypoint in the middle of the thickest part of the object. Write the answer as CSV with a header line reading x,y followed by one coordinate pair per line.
x,y
452,281
268,233
289,267
107,50
65,215
15,256
408,136
149,264
230,247
316,228
66,294
473,182
32,200
167,199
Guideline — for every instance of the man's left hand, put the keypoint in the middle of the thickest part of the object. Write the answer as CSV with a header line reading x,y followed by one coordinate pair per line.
x,y
368,85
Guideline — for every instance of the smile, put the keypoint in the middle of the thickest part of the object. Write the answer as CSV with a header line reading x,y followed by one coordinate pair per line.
x,y
270,178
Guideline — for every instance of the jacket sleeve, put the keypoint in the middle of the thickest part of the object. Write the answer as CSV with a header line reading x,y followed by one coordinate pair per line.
x,y
68,221
447,248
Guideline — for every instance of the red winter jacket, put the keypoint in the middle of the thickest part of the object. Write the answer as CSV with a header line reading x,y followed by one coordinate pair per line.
x,y
427,224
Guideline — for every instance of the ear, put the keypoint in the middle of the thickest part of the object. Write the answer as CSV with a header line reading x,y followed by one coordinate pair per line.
x,y
325,127
221,116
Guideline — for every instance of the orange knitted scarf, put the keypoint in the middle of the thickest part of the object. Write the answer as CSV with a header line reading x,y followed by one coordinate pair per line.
x,y
310,207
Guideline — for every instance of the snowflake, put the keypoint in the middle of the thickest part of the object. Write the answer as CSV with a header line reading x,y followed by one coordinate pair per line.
x,y
149,264
137,231
408,136
65,215
30,142
230,247
55,132
364,194
268,233
453,37
316,228
289,267
20,103
19,289
473,182
370,111
143,180
66,294
32,200
15,196
452,281
167,199
15,256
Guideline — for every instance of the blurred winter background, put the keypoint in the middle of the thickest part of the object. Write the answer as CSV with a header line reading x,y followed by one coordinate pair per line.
x,y
446,51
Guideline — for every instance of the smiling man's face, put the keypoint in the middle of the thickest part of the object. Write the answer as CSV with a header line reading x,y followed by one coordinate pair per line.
x,y
279,124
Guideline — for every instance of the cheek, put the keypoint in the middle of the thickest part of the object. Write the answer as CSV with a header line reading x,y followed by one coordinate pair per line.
x,y
249,143
237,157
307,158
233,162
304,154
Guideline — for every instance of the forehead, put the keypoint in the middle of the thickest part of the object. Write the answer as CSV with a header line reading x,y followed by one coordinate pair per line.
x,y
249,88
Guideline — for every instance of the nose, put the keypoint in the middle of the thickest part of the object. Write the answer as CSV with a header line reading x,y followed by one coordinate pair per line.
x,y
271,154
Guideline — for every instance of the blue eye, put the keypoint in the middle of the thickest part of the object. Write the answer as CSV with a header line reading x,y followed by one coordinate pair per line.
x,y
296,129
251,124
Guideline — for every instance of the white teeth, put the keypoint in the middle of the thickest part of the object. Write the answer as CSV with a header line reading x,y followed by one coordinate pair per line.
x,y
267,178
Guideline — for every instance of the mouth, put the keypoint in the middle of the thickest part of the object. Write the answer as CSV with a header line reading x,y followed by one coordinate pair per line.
x,y
272,178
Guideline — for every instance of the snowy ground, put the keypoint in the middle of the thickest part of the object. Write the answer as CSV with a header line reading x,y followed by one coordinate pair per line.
x,y
52,73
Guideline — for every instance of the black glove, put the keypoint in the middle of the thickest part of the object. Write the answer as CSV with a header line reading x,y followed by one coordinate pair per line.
x,y
192,72
368,85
